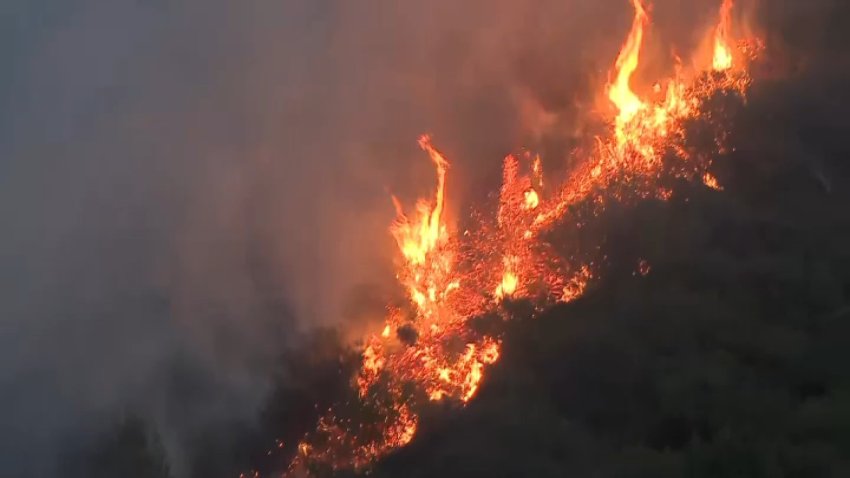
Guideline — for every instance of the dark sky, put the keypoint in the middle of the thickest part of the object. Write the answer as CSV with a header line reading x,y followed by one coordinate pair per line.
x,y
182,183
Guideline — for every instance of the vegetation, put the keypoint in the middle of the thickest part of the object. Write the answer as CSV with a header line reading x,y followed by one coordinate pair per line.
x,y
728,359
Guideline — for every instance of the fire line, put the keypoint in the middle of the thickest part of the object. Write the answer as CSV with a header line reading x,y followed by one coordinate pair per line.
x,y
451,278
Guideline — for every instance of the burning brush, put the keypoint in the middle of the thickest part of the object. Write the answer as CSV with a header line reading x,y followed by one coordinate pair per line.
x,y
432,351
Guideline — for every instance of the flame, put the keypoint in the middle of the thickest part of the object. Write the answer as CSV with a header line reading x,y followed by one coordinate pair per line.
x,y
451,279
620,92
508,285
417,238
576,285
722,59
424,243
510,281
709,180
532,200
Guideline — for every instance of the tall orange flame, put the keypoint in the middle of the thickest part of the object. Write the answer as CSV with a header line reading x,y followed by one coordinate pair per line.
x,y
620,92
423,243
722,59
417,238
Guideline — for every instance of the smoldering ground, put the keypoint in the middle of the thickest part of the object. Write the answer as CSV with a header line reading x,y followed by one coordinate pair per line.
x,y
185,184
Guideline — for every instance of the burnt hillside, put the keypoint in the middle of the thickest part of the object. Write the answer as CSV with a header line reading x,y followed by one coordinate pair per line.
x,y
729,358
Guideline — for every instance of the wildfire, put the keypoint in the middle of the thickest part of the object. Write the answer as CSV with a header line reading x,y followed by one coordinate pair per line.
x,y
722,59
620,92
508,286
532,200
424,243
709,180
430,351
417,238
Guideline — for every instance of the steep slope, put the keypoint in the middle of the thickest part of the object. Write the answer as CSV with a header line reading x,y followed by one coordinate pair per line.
x,y
727,359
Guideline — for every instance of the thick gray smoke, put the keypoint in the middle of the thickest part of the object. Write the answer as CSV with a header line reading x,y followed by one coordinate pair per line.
x,y
183,183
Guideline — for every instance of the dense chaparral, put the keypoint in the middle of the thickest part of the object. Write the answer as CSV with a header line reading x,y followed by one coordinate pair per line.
x,y
429,350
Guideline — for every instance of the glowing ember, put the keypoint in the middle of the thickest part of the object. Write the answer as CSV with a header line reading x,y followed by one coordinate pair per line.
x,y
576,285
509,283
532,200
643,267
429,351
711,182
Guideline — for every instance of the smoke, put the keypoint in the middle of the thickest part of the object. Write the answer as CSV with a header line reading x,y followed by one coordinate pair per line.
x,y
185,184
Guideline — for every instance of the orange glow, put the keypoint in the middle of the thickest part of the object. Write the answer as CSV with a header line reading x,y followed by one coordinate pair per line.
x,y
722,59
576,285
429,344
508,285
620,92
709,180
418,237
424,243
532,200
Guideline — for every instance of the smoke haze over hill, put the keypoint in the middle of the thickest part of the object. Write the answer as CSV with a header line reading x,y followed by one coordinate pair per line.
x,y
186,185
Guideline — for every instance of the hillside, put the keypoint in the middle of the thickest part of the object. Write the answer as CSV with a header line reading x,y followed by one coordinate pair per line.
x,y
711,342
728,359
